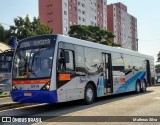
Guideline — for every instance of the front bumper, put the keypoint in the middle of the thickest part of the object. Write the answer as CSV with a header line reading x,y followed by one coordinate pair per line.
x,y
36,96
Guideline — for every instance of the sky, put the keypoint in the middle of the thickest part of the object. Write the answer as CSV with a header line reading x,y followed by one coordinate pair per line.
x,y
146,12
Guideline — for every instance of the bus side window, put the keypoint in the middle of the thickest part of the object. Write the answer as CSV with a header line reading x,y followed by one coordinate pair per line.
x,y
69,59
61,61
65,60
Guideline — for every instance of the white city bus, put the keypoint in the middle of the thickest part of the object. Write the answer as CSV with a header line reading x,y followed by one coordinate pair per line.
x,y
57,68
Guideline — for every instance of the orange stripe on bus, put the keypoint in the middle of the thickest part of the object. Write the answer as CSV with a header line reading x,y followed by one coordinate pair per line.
x,y
64,77
44,81
122,79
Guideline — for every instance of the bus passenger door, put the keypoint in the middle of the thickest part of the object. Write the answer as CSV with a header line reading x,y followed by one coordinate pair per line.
x,y
107,73
148,72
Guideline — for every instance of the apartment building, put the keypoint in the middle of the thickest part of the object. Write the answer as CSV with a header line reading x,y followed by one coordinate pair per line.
x,y
123,25
59,15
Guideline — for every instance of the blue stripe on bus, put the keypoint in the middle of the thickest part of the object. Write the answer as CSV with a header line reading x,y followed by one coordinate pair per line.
x,y
129,85
100,86
38,96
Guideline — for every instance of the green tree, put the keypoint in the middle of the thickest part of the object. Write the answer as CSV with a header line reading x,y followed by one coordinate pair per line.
x,y
4,35
25,28
92,33
157,68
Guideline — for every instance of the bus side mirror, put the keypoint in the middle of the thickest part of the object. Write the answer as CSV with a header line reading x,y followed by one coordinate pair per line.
x,y
66,57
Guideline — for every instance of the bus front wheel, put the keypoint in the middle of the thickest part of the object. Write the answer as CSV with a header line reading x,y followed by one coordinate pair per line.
x,y
89,94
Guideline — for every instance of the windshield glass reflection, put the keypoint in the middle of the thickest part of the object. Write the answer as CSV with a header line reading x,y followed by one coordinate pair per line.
x,y
33,63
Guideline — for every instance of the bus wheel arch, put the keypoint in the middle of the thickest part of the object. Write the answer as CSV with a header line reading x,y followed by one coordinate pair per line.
x,y
90,93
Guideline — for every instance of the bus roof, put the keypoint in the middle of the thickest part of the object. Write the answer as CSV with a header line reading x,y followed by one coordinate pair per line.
x,y
101,46
72,40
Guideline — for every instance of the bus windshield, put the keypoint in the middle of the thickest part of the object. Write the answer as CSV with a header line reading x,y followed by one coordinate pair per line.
x,y
33,62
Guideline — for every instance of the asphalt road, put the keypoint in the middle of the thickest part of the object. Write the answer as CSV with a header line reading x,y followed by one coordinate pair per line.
x,y
127,105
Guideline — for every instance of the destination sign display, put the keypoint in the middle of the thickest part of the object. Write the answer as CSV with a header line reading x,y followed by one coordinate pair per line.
x,y
38,42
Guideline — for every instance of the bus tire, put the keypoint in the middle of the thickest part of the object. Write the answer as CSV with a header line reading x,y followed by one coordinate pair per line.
x,y
89,94
144,86
138,87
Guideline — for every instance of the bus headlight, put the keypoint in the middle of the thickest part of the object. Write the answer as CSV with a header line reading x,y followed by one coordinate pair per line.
x,y
46,87
13,87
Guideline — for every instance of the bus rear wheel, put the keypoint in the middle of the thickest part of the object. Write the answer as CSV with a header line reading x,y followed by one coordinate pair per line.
x,y
143,89
89,94
138,87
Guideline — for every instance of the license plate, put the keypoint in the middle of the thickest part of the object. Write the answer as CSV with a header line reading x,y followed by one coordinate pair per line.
x,y
27,94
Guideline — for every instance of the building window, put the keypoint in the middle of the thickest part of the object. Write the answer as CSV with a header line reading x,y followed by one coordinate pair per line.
x,y
79,18
92,23
65,12
65,29
83,5
70,23
79,3
83,20
70,7
70,0
65,4
75,8
83,12
79,10
65,20
49,5
50,21
49,13
75,1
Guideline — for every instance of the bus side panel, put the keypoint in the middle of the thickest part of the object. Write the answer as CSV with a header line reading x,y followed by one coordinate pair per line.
x,y
127,69
88,68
